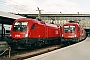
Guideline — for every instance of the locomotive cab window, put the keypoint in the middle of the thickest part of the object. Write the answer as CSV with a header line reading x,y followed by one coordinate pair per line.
x,y
69,29
79,29
33,26
20,26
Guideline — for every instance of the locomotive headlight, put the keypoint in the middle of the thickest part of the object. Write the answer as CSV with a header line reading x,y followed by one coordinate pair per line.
x,y
75,35
10,34
26,35
62,35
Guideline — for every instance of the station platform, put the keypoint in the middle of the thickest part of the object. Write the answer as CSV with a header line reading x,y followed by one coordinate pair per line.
x,y
78,51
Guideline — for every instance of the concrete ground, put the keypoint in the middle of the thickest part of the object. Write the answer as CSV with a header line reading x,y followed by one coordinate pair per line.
x,y
79,51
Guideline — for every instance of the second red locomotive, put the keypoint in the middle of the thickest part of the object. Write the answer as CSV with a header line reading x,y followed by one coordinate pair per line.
x,y
72,32
31,32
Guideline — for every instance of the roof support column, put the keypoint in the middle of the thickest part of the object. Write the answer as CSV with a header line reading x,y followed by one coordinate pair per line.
x,y
3,30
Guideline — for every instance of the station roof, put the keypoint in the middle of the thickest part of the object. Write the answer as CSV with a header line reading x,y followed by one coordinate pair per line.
x,y
56,15
9,15
8,18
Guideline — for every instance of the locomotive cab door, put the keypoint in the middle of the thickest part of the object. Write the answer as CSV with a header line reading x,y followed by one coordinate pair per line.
x,y
33,31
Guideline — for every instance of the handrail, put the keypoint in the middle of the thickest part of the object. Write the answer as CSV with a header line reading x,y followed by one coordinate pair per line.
x,y
8,49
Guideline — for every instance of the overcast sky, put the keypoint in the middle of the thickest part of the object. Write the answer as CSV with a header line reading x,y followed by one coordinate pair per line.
x,y
46,6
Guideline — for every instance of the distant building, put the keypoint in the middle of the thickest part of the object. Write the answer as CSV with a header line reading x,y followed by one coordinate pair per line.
x,y
59,19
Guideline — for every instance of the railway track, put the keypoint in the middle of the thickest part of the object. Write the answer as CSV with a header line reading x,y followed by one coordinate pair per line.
x,y
22,54
25,53
35,52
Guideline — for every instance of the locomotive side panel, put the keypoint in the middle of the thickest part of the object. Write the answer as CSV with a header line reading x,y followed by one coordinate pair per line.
x,y
41,31
53,31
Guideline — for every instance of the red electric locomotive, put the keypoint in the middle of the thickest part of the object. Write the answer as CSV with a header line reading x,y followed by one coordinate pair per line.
x,y
27,32
72,32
